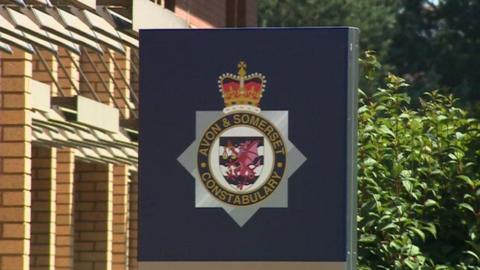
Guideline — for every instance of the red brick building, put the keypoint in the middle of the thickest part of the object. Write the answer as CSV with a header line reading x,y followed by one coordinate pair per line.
x,y
69,125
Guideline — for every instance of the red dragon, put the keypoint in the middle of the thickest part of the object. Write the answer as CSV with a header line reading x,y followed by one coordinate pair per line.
x,y
244,162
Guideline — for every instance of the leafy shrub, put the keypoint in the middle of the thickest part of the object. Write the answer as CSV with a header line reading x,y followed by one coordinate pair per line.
x,y
419,180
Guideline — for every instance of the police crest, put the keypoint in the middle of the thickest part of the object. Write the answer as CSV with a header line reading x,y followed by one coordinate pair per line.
x,y
242,152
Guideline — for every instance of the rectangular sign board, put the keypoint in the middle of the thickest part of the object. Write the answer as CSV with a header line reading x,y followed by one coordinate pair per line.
x,y
247,149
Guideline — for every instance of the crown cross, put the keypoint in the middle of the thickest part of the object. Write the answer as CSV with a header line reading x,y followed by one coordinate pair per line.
x,y
242,92
242,69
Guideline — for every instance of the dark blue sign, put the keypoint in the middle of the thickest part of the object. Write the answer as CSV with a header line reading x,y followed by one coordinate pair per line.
x,y
247,146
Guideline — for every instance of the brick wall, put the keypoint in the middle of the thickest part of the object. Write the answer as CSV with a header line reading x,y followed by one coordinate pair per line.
x,y
197,15
42,243
40,72
95,80
251,18
133,74
63,220
64,199
93,216
123,62
15,145
72,72
120,218
133,221
219,13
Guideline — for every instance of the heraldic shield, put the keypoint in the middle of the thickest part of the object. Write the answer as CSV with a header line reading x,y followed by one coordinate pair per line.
x,y
241,160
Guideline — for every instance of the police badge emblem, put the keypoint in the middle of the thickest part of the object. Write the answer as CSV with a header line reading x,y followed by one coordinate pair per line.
x,y
242,152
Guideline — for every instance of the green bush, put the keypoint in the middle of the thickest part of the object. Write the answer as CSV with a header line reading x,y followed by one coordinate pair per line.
x,y
419,179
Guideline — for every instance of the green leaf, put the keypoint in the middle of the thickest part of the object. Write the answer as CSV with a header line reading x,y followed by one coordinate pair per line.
x,y
389,226
385,130
367,238
430,203
406,173
413,250
396,244
369,161
437,172
411,264
363,109
452,156
407,185
441,118
418,233
467,180
466,206
459,135
473,254
430,227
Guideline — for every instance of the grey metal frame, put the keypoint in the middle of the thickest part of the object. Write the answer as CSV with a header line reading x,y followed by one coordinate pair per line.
x,y
352,133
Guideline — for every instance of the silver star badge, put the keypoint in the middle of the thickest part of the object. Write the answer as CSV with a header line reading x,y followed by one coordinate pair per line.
x,y
241,214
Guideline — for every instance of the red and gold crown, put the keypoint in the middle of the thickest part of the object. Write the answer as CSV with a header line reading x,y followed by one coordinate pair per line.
x,y
242,92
